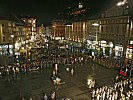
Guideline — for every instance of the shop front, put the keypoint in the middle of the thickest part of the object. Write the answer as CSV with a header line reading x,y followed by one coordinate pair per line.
x,y
6,53
118,51
129,52
6,49
102,45
109,49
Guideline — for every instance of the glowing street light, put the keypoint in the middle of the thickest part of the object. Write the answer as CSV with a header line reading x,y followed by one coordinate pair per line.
x,y
12,36
121,3
95,24
68,25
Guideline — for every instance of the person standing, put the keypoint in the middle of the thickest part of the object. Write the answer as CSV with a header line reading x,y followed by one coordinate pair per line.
x,y
53,73
107,96
53,96
98,96
113,96
110,97
116,78
103,96
130,86
45,97
116,95
93,94
72,71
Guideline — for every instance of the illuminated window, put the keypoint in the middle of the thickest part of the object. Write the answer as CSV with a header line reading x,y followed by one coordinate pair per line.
x,y
29,21
34,21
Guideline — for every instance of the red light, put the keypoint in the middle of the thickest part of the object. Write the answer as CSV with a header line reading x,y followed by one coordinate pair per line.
x,y
122,73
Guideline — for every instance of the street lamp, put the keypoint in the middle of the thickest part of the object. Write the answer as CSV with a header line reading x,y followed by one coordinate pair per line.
x,y
121,3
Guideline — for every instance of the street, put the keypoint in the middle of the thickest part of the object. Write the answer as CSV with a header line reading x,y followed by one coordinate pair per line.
x,y
36,84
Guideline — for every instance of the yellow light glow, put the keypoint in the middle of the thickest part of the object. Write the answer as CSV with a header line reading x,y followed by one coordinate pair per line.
x,y
121,3
22,48
95,24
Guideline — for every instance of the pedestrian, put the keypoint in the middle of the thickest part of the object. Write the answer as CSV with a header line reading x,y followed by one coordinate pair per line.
x,y
115,86
53,73
107,96
116,95
110,97
97,91
130,86
45,97
116,78
93,83
113,96
23,98
103,96
116,65
72,71
93,93
53,96
98,96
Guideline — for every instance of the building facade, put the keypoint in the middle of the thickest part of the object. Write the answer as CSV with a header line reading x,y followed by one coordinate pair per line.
x,y
68,31
7,31
113,30
30,27
7,28
79,31
58,29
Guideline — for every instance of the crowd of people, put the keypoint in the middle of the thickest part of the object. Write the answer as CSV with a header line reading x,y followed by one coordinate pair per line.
x,y
121,90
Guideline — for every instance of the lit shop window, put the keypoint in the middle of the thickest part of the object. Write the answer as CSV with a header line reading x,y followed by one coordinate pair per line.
x,y
131,42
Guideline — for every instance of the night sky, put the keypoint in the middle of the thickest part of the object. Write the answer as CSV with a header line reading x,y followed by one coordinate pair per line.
x,y
47,10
